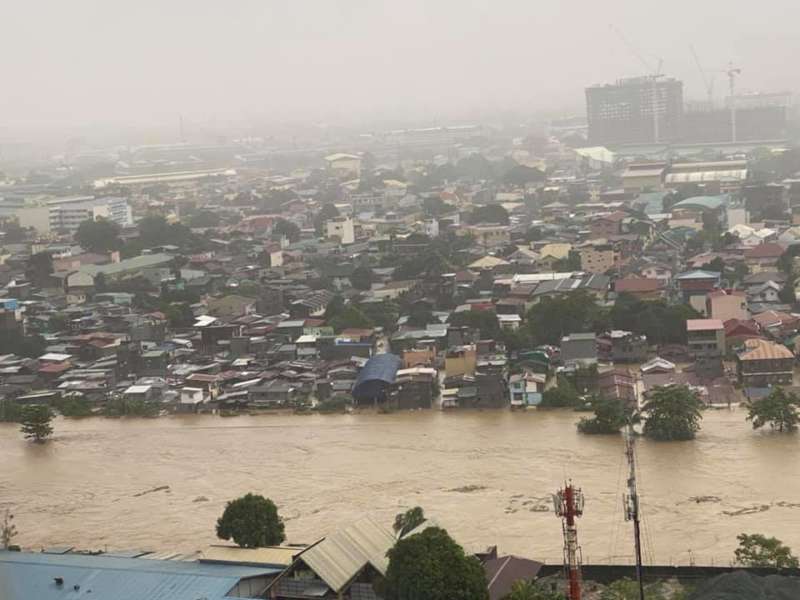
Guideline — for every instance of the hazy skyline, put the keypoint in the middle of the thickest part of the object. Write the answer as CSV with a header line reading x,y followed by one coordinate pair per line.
x,y
145,62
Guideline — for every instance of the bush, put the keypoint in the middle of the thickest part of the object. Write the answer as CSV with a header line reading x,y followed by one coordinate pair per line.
x,y
74,406
335,404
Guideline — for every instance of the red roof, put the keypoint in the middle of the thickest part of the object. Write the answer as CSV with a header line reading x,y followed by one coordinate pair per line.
x,y
633,285
741,327
770,250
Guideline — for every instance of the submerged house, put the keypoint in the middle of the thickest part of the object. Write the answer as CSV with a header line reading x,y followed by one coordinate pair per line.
x,y
375,379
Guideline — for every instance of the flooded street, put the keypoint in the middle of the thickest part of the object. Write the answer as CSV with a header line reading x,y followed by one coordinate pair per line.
x,y
485,476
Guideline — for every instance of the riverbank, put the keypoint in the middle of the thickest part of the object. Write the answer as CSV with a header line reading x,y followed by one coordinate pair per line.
x,y
483,474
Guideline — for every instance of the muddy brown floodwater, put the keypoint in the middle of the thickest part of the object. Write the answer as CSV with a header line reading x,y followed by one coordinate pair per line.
x,y
485,476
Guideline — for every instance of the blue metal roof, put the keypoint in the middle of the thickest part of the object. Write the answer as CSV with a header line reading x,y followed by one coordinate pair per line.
x,y
25,576
381,367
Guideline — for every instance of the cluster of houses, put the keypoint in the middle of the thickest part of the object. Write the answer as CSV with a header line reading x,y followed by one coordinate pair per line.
x,y
348,563
392,286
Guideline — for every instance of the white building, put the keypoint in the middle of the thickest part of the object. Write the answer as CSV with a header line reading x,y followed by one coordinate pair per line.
x,y
344,164
341,228
66,214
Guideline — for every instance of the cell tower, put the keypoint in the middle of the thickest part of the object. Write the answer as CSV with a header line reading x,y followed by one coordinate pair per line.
x,y
631,504
568,504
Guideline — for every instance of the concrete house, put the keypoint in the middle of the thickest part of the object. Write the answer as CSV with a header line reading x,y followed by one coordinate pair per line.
x,y
579,348
762,363
525,389
724,305
706,338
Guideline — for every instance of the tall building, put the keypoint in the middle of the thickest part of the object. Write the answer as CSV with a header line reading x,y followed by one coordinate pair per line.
x,y
66,214
622,112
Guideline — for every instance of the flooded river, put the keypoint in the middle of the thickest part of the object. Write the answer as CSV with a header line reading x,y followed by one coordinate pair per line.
x,y
485,476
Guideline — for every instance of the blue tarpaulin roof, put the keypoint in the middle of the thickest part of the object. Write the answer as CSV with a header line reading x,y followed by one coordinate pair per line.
x,y
25,576
379,368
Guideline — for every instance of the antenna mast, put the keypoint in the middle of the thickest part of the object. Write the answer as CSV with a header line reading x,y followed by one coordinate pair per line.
x,y
568,504
631,502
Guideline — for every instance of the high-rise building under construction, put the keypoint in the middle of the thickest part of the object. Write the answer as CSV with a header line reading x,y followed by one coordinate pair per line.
x,y
639,110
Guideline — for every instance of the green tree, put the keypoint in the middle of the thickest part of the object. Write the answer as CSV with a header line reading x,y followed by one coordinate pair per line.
x,y
38,268
409,520
553,318
36,422
660,322
74,405
13,233
628,589
154,230
778,410
383,314
179,314
361,279
475,166
563,395
610,415
757,550
325,214
485,321
530,590
571,262
8,530
521,175
491,213
252,521
431,565
350,317
672,412
435,206
57,322
10,410
101,235
420,315
282,227
203,219
30,346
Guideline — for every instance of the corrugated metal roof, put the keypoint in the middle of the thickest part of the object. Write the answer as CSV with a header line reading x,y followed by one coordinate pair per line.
x,y
757,349
381,367
270,556
341,556
25,576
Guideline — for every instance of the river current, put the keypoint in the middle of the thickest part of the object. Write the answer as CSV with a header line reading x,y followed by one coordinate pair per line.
x,y
160,484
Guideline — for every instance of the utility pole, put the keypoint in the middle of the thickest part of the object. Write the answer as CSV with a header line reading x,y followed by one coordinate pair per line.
x,y
568,503
631,502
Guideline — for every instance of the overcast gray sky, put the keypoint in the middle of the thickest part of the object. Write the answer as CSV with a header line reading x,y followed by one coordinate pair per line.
x,y
145,61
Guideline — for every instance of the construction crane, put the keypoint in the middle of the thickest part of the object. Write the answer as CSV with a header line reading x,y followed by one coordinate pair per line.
x,y
653,74
732,73
708,83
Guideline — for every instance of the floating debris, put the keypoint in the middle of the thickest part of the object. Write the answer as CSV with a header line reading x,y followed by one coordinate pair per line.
x,y
468,489
160,488
759,508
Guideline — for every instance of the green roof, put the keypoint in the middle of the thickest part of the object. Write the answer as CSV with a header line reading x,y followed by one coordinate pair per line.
x,y
703,202
130,264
